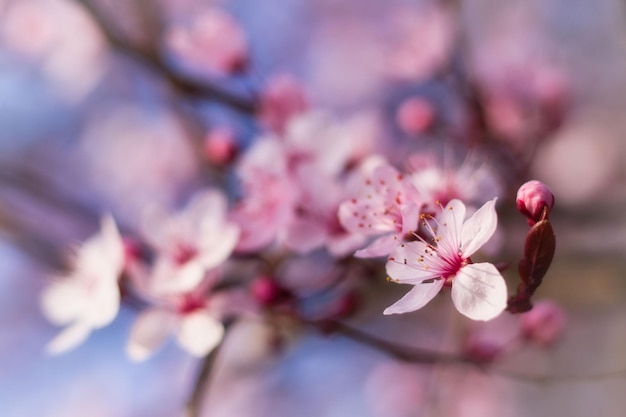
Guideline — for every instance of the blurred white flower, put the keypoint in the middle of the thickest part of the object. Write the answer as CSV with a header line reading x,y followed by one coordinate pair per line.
x,y
89,297
189,243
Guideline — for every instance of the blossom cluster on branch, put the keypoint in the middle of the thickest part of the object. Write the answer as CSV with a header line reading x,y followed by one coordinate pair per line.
x,y
300,216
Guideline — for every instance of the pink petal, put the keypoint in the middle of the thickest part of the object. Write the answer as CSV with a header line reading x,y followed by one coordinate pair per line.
x,y
410,218
479,291
69,338
415,299
479,228
379,247
403,265
199,333
304,235
344,244
149,332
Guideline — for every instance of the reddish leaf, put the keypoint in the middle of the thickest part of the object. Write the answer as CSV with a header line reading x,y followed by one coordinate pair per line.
x,y
538,253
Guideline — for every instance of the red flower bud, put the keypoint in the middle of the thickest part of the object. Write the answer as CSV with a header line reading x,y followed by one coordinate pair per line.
x,y
532,198
267,291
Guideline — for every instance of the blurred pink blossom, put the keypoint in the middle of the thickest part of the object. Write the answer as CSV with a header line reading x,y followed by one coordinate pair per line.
x,y
282,98
387,207
293,185
189,316
213,42
46,31
478,290
472,181
89,297
544,324
425,40
189,243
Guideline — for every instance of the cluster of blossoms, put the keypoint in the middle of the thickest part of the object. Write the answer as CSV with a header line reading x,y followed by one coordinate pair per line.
x,y
313,198
306,192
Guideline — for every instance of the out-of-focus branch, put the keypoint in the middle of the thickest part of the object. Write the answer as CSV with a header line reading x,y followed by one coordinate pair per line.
x,y
404,353
150,57
203,379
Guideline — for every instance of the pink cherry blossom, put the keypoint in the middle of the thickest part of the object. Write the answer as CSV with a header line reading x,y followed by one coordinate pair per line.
x,y
192,317
191,242
386,207
478,290
269,195
89,297
292,186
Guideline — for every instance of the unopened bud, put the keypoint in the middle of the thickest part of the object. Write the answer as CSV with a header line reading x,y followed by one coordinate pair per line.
x,y
281,99
267,291
220,146
532,198
543,324
415,115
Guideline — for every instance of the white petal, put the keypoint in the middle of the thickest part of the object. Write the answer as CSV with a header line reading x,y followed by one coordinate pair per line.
x,y
451,223
199,333
479,291
69,338
403,264
217,245
103,304
379,247
206,206
113,246
102,254
170,278
149,332
63,301
415,299
479,228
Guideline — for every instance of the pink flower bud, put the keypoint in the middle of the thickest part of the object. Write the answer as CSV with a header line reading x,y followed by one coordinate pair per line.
x,y
543,324
532,197
482,351
220,146
415,115
267,291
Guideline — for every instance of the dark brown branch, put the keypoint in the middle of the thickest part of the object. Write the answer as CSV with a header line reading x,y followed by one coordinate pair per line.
x,y
404,353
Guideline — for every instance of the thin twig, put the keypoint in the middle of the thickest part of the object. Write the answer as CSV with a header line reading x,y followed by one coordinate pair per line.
x,y
201,383
551,379
150,57
405,353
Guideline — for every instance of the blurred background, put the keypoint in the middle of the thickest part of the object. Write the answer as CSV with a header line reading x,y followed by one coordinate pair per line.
x,y
106,106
